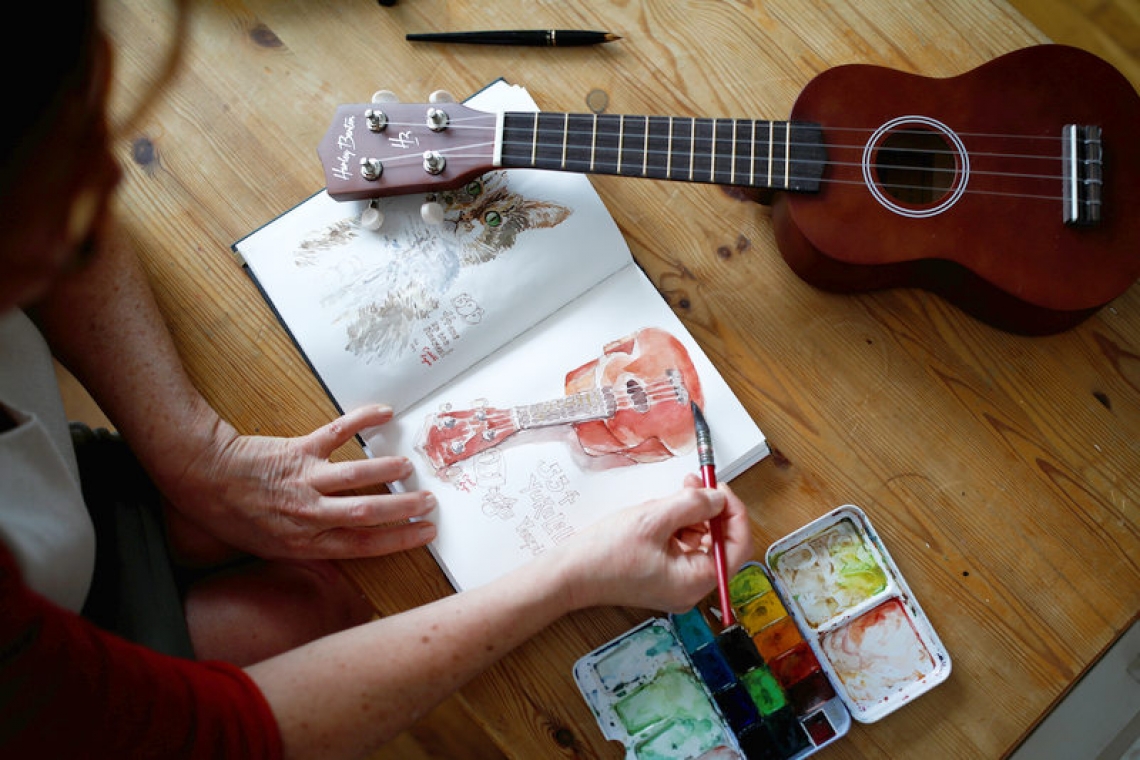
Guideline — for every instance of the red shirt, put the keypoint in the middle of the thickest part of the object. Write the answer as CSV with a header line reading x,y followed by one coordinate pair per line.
x,y
70,689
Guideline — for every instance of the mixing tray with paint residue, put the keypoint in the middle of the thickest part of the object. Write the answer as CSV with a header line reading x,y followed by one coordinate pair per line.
x,y
857,613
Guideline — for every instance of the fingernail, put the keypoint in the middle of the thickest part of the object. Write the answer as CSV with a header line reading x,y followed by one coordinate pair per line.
x,y
430,501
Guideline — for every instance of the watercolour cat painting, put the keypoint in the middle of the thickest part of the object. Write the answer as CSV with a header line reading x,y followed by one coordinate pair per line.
x,y
385,302
539,380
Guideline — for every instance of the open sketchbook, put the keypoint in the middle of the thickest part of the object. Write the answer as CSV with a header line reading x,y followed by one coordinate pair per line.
x,y
539,380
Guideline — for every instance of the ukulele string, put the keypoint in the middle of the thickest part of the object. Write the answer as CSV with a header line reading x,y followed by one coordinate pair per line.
x,y
707,143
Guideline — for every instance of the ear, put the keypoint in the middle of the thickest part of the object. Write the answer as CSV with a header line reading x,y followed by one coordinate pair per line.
x,y
541,214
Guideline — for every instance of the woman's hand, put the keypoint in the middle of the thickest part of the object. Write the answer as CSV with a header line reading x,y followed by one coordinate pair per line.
x,y
283,497
657,555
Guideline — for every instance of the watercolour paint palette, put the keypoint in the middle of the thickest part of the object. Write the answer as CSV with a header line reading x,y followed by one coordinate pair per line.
x,y
858,614
826,632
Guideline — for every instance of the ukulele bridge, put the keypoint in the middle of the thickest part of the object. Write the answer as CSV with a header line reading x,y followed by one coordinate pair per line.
x,y
1082,179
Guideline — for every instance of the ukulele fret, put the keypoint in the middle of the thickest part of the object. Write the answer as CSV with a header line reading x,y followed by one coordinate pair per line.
x,y
621,142
771,132
565,135
787,149
732,176
752,156
594,143
776,155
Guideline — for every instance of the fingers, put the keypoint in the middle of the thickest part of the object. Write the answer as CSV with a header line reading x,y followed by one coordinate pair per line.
x,y
344,527
737,529
337,477
690,507
690,510
350,543
328,438
370,510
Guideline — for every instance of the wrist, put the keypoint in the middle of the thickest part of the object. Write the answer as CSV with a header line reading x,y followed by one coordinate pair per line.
x,y
182,444
573,578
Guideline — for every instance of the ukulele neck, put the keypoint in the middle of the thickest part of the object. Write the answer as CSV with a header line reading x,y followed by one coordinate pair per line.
x,y
776,155
594,404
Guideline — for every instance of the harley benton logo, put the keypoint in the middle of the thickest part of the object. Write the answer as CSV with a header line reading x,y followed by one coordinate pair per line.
x,y
347,145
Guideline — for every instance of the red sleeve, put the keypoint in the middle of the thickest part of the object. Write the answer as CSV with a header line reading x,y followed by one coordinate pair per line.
x,y
69,689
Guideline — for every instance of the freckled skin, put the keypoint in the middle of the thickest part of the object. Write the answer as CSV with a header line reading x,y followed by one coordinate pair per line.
x,y
633,559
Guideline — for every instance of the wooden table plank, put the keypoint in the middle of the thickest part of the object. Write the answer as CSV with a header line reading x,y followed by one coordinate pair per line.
x,y
1000,470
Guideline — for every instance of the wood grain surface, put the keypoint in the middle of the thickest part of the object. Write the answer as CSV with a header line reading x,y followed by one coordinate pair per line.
x,y
1001,471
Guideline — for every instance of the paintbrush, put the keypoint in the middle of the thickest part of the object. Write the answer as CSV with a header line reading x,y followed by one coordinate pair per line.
x,y
708,475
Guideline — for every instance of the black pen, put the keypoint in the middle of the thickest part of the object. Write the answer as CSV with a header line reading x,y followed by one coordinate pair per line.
x,y
531,37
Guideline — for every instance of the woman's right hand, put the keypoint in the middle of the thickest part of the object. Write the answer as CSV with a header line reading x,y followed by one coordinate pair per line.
x,y
657,555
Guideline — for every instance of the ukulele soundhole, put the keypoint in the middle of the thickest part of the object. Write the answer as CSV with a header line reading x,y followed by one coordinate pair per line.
x,y
916,166
638,398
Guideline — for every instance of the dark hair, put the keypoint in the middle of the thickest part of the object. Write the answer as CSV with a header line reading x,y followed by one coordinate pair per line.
x,y
43,77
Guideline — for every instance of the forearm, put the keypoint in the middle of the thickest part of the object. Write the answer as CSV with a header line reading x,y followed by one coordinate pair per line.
x,y
346,694
104,325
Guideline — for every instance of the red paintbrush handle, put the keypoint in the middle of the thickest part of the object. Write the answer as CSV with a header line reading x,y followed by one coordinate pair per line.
x,y
708,475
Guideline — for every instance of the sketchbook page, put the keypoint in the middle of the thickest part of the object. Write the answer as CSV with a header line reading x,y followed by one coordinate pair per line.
x,y
389,315
516,498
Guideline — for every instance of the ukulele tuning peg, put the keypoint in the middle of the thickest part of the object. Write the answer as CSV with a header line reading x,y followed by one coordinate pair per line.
x,y
432,212
372,218
385,96
441,96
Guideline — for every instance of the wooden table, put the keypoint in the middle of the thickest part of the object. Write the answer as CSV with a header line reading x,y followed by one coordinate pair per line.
x,y
1003,472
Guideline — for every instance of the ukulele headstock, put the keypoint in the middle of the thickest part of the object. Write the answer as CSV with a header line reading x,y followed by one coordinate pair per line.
x,y
383,148
450,437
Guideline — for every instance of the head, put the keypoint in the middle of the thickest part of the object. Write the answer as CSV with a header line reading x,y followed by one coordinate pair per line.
x,y
58,175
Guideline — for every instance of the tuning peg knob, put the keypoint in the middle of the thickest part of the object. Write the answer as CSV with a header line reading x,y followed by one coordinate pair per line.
x,y
432,212
385,96
375,119
441,96
437,119
372,218
434,162
371,168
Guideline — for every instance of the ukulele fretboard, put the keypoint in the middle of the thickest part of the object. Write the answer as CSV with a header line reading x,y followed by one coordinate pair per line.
x,y
780,155
594,404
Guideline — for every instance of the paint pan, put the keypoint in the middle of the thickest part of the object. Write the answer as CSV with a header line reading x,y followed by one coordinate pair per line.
x,y
827,631
857,613
647,694
672,688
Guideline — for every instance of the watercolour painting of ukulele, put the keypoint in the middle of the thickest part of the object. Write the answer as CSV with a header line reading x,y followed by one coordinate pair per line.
x,y
1010,190
629,405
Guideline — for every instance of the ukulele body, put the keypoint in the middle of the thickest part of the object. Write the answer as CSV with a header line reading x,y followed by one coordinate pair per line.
x,y
986,229
657,428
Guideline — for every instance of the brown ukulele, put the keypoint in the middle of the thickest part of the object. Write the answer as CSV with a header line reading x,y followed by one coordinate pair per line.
x,y
632,401
1011,190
